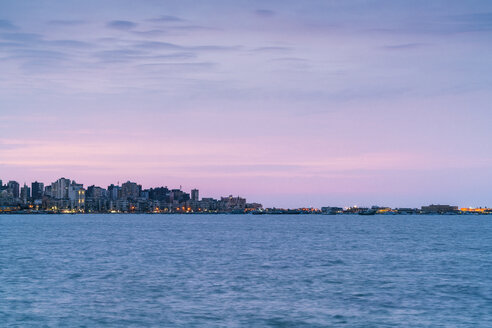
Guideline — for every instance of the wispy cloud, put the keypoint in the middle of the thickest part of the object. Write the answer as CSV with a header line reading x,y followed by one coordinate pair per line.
x,y
289,59
32,44
272,49
475,22
405,46
175,23
21,37
121,25
157,45
193,28
171,46
67,22
9,45
127,55
7,25
214,48
166,18
121,55
38,54
431,25
180,66
69,43
150,33
264,12
176,55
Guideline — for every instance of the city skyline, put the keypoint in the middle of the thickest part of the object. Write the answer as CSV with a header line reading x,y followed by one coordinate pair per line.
x,y
288,103
37,195
66,196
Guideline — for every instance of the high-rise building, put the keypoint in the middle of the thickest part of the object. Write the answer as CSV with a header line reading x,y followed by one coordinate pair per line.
x,y
145,194
159,193
25,193
114,192
76,194
178,196
59,189
194,195
95,192
130,190
13,187
37,189
1,183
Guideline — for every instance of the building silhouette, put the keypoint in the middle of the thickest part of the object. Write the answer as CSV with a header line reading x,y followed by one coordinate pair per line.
x,y
13,187
37,190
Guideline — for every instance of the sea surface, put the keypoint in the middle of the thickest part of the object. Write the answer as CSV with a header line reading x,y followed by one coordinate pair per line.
x,y
245,271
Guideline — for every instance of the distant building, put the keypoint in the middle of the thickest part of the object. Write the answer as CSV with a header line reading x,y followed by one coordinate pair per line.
x,y
406,210
48,191
76,195
209,204
96,199
195,195
161,194
177,196
37,189
355,210
13,187
59,189
25,193
114,192
144,194
439,209
331,210
130,190
253,206
232,203
95,192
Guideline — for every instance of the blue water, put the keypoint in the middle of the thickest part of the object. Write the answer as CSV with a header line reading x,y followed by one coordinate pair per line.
x,y
245,271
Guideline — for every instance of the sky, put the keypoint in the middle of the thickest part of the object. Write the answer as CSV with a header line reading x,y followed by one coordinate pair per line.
x,y
287,103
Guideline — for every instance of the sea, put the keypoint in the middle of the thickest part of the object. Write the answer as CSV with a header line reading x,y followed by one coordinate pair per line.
x,y
155,270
